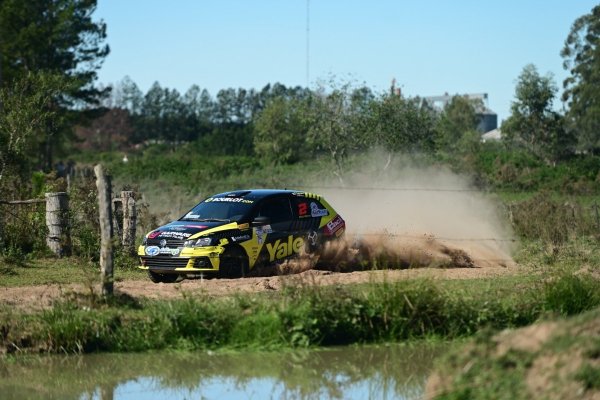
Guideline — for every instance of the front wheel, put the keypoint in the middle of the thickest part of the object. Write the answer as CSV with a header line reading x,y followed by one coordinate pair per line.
x,y
233,264
162,278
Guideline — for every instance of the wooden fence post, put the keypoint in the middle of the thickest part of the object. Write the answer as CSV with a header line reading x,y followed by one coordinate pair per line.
x,y
57,221
595,207
117,213
129,221
106,232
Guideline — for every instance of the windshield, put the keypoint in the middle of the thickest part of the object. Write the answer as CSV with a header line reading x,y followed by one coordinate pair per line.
x,y
220,209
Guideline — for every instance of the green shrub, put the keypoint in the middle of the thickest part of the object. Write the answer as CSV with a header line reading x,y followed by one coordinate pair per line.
x,y
570,294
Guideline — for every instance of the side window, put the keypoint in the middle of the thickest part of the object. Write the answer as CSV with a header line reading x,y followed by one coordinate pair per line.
x,y
278,210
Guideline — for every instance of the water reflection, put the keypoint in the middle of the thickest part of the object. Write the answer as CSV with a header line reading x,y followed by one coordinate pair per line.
x,y
346,372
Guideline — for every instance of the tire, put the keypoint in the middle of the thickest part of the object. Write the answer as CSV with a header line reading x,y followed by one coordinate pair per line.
x,y
162,278
233,264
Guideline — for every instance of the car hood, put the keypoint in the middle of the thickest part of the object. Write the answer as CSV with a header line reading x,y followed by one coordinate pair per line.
x,y
182,229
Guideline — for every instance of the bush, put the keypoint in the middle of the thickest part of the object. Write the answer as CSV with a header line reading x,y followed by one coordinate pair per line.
x,y
571,294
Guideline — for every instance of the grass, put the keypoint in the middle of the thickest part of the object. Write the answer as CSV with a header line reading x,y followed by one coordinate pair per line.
x,y
537,363
68,270
300,316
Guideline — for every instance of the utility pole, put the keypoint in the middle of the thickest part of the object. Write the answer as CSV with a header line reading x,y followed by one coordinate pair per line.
x,y
307,43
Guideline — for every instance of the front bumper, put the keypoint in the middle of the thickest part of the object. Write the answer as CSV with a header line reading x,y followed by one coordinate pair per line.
x,y
189,260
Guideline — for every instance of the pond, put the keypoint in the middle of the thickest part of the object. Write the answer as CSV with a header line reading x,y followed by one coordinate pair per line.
x,y
352,372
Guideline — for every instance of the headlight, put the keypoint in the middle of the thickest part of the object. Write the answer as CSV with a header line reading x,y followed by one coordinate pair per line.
x,y
144,241
202,242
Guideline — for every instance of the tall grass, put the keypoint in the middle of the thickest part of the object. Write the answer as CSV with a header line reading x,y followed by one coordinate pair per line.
x,y
298,317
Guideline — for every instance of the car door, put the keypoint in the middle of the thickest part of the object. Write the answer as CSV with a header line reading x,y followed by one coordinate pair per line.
x,y
277,237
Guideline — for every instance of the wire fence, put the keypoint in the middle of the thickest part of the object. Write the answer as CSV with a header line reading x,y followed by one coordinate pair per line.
x,y
553,221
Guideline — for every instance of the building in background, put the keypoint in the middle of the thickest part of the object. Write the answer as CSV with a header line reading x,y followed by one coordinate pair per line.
x,y
488,119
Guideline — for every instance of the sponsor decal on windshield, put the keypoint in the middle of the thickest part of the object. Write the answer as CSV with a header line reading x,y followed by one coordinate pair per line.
x,y
228,200
185,227
175,235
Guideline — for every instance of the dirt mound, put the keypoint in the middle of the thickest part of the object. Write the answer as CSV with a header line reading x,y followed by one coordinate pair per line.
x,y
551,360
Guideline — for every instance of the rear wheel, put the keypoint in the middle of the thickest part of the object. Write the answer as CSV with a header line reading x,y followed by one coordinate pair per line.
x,y
233,264
162,278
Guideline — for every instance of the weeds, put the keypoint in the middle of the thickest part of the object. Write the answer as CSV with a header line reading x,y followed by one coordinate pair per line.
x,y
590,376
571,294
297,317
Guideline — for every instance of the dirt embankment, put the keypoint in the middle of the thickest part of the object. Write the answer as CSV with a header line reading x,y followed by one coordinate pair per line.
x,y
550,360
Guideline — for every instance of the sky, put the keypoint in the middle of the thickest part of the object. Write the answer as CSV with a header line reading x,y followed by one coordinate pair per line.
x,y
430,47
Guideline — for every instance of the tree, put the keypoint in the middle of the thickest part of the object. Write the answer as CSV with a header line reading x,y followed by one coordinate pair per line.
x,y
533,124
151,116
109,132
280,131
458,119
126,95
399,124
55,37
581,55
24,111
334,125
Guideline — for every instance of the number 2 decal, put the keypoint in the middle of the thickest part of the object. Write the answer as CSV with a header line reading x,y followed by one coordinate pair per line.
x,y
302,209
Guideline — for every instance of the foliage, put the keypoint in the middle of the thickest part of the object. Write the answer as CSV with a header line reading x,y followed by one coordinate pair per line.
x,y
55,36
280,131
56,40
456,122
335,128
570,294
589,375
300,316
25,110
401,124
581,90
552,221
533,125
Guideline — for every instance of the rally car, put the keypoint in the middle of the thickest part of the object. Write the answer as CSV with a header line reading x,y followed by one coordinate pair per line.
x,y
231,233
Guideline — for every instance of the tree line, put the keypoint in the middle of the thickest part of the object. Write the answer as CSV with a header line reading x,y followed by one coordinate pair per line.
x,y
51,103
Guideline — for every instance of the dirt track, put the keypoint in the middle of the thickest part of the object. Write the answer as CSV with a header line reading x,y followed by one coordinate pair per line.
x,y
35,297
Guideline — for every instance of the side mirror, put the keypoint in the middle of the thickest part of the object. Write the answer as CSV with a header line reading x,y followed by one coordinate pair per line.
x,y
260,221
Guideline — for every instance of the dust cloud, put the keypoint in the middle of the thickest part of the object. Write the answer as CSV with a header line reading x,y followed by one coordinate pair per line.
x,y
401,215
404,216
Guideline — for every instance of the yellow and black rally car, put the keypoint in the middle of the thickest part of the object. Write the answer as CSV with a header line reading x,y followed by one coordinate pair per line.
x,y
231,233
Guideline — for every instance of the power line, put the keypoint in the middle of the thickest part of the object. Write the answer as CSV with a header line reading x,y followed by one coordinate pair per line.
x,y
438,237
307,43
391,189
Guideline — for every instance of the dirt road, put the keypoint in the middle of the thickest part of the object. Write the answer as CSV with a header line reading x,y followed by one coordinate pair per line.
x,y
36,297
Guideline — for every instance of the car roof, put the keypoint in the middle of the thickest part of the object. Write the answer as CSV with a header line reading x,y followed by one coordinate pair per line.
x,y
258,194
